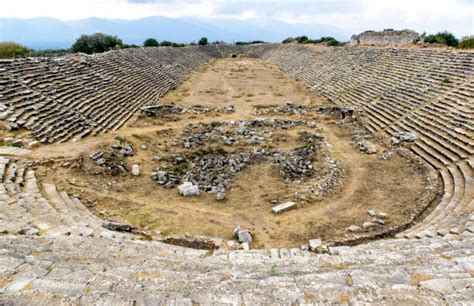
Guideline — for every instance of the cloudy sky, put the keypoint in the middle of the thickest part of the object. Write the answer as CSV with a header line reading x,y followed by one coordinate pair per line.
x,y
349,15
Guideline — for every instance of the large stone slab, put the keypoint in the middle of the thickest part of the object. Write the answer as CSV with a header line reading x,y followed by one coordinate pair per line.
x,y
278,209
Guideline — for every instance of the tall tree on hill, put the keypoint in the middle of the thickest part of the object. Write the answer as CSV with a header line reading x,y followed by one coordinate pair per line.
x,y
203,41
96,43
151,42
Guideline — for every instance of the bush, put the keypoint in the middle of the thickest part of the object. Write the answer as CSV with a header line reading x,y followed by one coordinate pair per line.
x,y
444,38
302,39
203,41
330,41
96,43
13,50
151,42
467,43
127,46
49,52
288,40
245,43
166,43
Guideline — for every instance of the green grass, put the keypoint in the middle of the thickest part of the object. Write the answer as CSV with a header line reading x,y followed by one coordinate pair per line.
x,y
119,139
446,81
274,271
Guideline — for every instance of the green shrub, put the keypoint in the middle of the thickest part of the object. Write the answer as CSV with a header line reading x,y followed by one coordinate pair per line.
x,y
444,38
274,270
96,43
13,50
203,41
245,43
151,42
49,52
127,46
166,43
446,81
288,40
302,39
467,43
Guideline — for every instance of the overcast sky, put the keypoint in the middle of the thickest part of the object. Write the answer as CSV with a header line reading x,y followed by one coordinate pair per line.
x,y
349,15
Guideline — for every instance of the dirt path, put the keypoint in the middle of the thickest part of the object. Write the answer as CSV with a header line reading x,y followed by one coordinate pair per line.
x,y
390,186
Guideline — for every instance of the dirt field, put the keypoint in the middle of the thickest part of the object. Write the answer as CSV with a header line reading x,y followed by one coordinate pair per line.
x,y
394,186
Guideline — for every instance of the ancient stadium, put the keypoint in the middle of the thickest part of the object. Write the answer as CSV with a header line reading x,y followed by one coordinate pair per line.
x,y
226,174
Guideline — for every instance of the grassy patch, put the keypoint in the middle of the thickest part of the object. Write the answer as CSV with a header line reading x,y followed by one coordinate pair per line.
x,y
274,271
119,139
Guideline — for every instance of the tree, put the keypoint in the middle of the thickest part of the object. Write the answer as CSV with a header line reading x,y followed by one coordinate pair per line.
x,y
96,43
302,39
467,43
166,43
13,50
151,42
288,40
444,38
203,41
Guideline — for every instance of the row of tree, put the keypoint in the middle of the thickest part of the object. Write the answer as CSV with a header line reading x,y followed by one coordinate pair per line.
x,y
330,41
447,38
98,42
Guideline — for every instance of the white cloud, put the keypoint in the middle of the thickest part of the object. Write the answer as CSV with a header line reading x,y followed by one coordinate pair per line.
x,y
352,16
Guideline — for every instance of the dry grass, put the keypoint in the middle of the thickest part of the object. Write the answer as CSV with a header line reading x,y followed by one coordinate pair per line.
x,y
417,278
145,276
344,298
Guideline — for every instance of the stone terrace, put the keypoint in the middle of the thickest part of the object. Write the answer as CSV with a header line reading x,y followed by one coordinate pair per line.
x,y
428,92
71,97
54,251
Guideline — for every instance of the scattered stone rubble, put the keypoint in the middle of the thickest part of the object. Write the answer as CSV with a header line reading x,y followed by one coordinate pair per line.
x,y
244,237
201,109
289,108
112,160
213,169
119,227
330,178
165,178
403,137
152,109
342,111
232,133
212,173
298,164
188,189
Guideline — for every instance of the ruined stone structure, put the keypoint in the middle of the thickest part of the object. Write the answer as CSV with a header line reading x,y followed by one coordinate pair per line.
x,y
53,250
387,37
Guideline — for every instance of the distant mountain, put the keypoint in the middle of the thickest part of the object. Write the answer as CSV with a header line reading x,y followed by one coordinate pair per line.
x,y
44,33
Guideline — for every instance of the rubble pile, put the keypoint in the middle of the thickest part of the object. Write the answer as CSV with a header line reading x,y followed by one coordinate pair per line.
x,y
152,109
212,173
112,160
297,165
289,108
201,109
231,133
330,178
403,137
